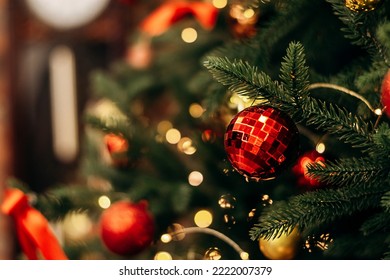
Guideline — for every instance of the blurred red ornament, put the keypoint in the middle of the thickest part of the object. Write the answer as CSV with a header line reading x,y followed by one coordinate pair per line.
x,y
161,19
209,135
140,54
117,147
242,21
261,141
127,228
385,93
300,169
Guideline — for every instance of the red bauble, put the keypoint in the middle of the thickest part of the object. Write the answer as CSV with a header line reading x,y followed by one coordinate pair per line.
x,y
117,146
300,169
261,141
127,228
385,93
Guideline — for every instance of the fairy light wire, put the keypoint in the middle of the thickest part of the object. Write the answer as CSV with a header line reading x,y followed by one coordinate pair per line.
x,y
213,232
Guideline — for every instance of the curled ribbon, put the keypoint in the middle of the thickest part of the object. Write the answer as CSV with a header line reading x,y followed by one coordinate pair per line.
x,y
164,16
34,233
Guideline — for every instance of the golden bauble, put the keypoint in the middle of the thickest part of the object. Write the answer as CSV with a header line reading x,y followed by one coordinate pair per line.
x,y
362,5
284,247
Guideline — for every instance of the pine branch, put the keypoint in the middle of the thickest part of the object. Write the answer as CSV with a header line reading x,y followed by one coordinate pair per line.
x,y
294,73
349,171
320,207
385,202
348,128
56,203
378,223
246,80
358,28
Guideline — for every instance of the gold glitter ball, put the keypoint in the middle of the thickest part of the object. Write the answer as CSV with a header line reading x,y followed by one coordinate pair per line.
x,y
362,5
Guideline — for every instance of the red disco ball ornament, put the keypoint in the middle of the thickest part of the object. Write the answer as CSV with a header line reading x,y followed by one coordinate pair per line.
x,y
261,141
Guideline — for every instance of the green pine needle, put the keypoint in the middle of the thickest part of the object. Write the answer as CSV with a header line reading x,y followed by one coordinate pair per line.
x,y
314,208
349,171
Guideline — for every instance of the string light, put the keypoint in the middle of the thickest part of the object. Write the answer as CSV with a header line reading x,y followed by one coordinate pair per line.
x,y
196,110
320,148
185,146
220,4
104,201
378,112
166,238
163,127
162,255
203,218
244,256
173,136
195,178
189,35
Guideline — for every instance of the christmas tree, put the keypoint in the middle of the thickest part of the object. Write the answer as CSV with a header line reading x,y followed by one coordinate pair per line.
x,y
248,129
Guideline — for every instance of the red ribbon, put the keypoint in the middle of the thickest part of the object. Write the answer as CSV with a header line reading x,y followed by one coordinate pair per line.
x,y
167,14
35,236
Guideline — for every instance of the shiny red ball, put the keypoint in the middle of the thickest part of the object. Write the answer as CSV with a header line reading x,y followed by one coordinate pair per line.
x,y
127,228
385,93
300,169
261,141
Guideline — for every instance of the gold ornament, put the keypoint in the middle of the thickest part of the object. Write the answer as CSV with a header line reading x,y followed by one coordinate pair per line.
x,y
362,5
284,247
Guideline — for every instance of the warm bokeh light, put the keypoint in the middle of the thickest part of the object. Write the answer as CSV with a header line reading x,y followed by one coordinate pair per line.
x,y
163,127
195,178
104,201
196,110
244,256
77,226
220,4
203,218
184,144
378,112
189,35
173,136
320,148
248,13
213,253
162,255
166,238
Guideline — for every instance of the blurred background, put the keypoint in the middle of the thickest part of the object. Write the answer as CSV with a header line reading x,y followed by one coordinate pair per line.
x,y
41,40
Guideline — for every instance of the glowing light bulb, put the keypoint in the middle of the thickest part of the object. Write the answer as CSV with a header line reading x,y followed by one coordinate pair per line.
x,y
162,255
163,127
104,201
196,110
378,112
203,218
244,256
249,13
189,35
220,4
166,238
173,136
195,178
320,148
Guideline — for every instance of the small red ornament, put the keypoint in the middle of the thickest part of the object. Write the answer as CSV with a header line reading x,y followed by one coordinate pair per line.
x,y
300,169
139,55
261,141
385,93
117,147
127,228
